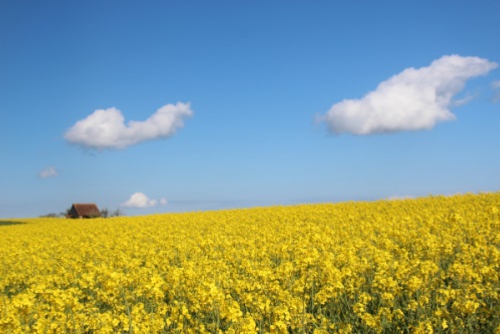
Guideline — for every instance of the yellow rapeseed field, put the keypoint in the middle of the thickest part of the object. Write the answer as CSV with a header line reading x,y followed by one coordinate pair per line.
x,y
427,265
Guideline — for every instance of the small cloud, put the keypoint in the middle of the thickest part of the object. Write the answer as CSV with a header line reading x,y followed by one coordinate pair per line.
x,y
495,85
139,200
106,128
48,172
415,99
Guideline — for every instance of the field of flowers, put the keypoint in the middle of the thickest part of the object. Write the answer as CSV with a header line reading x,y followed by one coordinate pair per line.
x,y
412,266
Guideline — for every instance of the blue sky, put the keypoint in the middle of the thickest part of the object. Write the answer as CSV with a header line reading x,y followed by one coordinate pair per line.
x,y
245,103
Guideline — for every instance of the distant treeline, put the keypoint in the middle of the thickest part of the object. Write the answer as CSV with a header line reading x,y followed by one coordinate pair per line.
x,y
105,213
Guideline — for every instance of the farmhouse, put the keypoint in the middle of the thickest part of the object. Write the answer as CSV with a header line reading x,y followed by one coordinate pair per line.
x,y
84,210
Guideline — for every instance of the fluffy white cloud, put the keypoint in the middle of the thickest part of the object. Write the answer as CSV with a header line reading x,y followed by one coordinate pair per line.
x,y
415,99
106,128
495,85
139,200
48,172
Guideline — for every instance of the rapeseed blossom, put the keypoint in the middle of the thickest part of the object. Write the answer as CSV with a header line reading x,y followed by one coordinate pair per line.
x,y
427,265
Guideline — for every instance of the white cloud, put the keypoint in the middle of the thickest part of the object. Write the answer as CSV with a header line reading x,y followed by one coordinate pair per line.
x,y
48,172
106,128
415,99
139,200
495,85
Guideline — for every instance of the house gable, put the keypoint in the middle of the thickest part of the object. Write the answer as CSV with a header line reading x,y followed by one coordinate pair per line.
x,y
84,210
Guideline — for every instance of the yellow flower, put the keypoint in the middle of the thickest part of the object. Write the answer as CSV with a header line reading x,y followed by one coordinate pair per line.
x,y
396,265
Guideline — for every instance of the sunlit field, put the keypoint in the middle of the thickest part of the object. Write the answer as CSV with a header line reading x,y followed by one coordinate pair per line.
x,y
427,265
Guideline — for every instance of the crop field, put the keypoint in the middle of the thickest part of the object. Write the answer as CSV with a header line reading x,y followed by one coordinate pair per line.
x,y
426,265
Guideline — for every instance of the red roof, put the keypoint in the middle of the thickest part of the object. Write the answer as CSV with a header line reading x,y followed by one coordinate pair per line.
x,y
87,210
